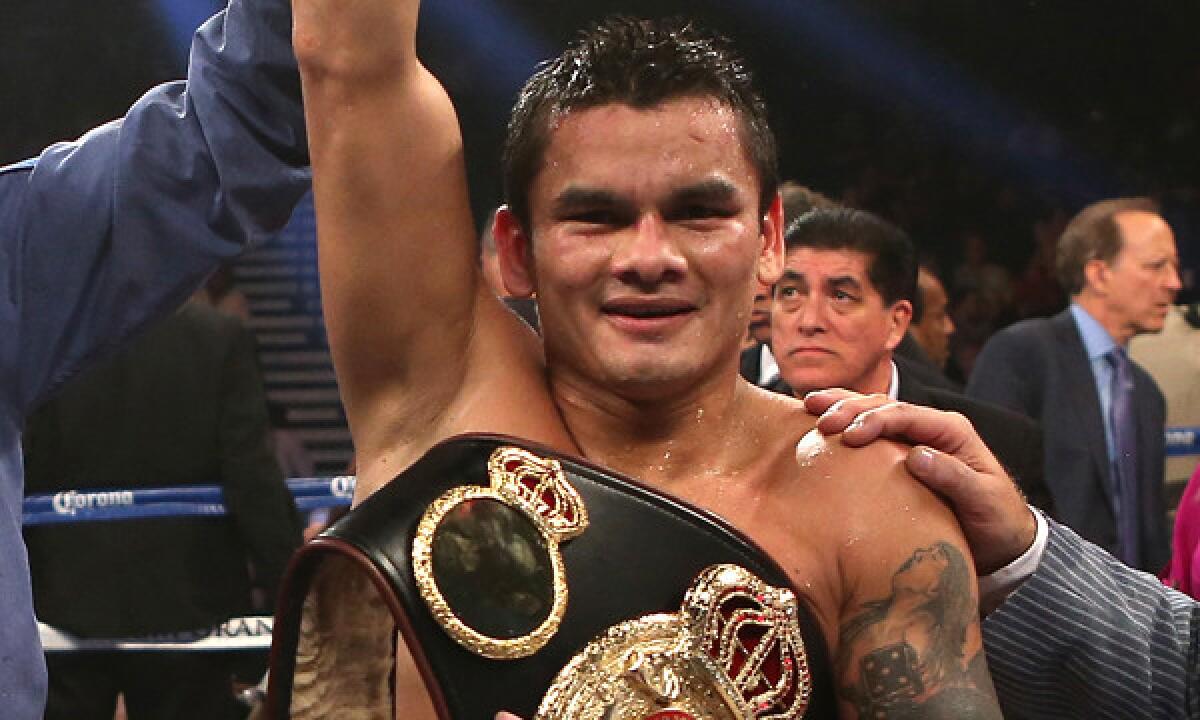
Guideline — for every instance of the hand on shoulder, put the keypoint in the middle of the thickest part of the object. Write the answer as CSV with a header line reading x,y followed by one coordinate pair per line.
x,y
950,459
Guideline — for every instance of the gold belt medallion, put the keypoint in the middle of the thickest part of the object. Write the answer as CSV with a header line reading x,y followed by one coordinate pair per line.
x,y
486,559
733,652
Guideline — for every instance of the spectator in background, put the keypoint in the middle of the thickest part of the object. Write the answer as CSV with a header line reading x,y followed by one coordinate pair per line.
x,y
799,199
1183,573
983,292
758,331
932,326
933,321
978,274
293,457
295,462
1103,415
183,405
1172,357
1037,292
757,364
840,309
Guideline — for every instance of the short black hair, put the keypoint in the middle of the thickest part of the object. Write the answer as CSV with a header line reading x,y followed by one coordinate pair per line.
x,y
891,258
640,63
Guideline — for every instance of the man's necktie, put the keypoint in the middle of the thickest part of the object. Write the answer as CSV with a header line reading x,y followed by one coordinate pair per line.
x,y
1125,474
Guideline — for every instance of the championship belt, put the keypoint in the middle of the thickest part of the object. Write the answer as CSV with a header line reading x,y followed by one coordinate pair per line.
x,y
526,580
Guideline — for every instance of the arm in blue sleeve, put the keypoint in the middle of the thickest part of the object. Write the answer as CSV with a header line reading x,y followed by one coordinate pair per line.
x,y
1088,637
100,235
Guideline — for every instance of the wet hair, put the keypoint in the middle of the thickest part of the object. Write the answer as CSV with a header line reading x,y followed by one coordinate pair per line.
x,y
640,63
1093,234
891,259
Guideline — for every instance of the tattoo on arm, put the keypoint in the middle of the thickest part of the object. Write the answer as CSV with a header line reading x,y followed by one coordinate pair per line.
x,y
904,656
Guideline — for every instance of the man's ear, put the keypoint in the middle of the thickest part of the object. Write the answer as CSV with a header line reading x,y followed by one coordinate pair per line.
x,y
901,315
514,252
1096,275
772,256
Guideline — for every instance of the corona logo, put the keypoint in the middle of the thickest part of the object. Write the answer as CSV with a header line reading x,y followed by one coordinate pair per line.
x,y
72,501
342,486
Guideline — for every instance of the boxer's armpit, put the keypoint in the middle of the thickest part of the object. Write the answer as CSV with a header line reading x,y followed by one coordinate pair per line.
x,y
916,652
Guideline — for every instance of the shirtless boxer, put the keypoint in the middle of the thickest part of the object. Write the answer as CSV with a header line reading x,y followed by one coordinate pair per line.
x,y
640,180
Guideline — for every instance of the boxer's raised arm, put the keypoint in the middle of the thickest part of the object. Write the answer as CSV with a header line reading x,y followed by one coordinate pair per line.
x,y
395,236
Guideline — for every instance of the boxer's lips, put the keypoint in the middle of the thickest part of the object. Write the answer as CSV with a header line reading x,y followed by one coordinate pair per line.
x,y
647,315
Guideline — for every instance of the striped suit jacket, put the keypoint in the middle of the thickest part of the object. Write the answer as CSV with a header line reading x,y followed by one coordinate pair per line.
x,y
1088,637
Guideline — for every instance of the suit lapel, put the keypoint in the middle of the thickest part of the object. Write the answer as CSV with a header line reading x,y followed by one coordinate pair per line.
x,y
910,390
1080,390
749,363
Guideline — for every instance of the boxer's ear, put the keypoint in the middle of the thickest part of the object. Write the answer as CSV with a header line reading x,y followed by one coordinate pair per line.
x,y
772,254
515,253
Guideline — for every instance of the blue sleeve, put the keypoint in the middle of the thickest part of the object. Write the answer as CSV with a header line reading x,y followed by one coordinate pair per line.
x,y
1088,637
100,235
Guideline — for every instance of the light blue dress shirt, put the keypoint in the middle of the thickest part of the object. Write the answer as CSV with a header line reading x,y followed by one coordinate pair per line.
x,y
1098,343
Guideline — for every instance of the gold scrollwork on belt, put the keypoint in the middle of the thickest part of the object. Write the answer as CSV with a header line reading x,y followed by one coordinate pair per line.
x,y
543,511
733,652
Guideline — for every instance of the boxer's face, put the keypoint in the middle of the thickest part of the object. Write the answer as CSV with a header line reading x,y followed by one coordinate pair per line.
x,y
647,245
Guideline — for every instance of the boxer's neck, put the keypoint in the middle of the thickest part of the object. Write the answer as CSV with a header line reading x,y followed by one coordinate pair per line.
x,y
660,440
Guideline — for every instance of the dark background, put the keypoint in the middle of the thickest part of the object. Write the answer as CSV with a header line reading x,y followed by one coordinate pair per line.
x,y
947,117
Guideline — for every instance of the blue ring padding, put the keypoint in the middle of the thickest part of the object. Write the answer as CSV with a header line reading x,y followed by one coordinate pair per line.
x,y
310,493
186,501
158,510
1183,441
200,494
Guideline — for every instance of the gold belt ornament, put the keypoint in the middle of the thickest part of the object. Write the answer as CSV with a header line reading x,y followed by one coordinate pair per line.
x,y
733,652
486,559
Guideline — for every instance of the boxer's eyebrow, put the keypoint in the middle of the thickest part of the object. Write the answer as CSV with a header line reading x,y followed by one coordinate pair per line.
x,y
576,198
709,190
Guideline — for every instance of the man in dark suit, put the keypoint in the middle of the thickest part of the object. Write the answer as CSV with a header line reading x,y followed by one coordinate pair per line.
x,y
1104,416
842,307
928,339
756,363
184,405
